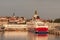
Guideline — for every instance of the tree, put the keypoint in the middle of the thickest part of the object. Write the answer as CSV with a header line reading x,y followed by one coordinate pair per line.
x,y
57,20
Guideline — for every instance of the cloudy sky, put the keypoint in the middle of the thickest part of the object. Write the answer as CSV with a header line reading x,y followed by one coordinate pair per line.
x,y
47,9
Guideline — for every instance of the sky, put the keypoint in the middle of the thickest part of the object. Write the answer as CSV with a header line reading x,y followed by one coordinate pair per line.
x,y
47,9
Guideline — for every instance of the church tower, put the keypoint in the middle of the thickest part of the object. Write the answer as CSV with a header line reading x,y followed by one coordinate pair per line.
x,y
13,15
35,15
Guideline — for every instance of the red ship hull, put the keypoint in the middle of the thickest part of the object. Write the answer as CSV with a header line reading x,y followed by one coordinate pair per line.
x,y
41,30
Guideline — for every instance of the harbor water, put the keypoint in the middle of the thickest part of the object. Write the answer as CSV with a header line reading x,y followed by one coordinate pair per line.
x,y
19,35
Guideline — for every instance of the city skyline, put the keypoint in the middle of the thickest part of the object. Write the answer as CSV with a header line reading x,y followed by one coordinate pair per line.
x,y
47,9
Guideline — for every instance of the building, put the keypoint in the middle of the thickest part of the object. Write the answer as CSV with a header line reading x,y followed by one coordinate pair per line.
x,y
3,20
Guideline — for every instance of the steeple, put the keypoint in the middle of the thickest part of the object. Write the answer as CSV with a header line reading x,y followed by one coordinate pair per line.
x,y
13,15
36,15
35,12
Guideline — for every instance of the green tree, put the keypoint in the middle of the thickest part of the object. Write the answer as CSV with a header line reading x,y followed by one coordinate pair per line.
x,y
57,20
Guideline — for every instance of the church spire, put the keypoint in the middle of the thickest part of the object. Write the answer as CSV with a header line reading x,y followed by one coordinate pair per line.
x,y
36,15
35,12
13,15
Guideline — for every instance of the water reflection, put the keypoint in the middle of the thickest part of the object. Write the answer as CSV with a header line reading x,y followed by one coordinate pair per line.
x,y
32,36
13,35
1,35
53,37
26,36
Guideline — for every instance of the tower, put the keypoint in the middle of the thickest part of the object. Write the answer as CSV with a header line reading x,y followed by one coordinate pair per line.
x,y
35,14
13,15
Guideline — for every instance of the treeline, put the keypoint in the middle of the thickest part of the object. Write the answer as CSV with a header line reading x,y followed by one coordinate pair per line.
x,y
55,20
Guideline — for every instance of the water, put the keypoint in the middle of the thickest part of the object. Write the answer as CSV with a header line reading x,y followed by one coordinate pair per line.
x,y
53,37
26,36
